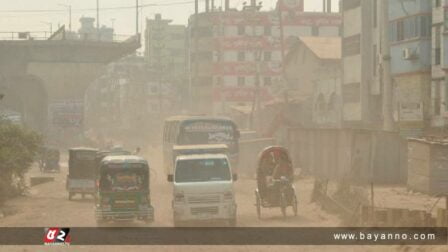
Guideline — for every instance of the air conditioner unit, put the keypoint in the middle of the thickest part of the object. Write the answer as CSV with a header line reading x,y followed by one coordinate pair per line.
x,y
409,54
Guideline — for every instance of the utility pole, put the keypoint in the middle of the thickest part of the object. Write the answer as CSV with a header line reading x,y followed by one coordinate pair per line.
x,y
257,57
136,17
69,7
70,18
388,120
195,53
98,18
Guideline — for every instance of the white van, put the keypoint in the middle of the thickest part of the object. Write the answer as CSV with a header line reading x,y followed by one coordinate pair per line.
x,y
203,189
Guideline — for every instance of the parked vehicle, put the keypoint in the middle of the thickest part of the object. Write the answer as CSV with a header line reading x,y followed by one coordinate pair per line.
x,y
123,190
50,160
203,189
275,178
82,165
199,130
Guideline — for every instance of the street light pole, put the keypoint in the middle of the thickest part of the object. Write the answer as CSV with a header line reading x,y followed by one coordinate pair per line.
x,y
136,17
98,18
69,15
388,120
70,18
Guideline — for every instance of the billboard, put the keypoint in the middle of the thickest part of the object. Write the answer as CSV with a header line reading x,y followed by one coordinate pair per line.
x,y
66,113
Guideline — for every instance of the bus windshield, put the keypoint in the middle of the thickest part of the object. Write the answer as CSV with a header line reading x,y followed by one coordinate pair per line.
x,y
202,170
207,132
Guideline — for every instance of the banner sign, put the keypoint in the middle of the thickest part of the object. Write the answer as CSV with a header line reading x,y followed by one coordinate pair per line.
x,y
240,94
247,43
68,113
291,5
270,68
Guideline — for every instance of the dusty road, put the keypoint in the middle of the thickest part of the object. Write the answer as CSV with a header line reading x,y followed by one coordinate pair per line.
x,y
48,205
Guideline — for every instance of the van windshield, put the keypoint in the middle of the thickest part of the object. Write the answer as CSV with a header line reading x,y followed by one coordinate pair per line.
x,y
202,170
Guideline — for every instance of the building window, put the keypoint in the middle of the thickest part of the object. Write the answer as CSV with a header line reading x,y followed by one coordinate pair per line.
x,y
437,97
267,81
437,49
241,56
445,21
241,81
267,56
241,30
375,60
446,95
410,27
400,30
267,30
425,26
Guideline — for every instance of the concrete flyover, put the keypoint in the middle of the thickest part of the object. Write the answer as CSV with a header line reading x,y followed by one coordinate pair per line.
x,y
40,77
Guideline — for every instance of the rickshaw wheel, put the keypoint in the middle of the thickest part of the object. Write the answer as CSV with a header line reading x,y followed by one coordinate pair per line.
x,y
283,203
294,204
258,204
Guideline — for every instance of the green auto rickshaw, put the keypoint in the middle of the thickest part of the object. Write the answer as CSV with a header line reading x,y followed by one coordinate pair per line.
x,y
123,190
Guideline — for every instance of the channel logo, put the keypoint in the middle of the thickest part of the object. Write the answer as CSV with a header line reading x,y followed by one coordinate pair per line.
x,y
57,236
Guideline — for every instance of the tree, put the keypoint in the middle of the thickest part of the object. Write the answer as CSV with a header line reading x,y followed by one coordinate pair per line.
x,y
18,148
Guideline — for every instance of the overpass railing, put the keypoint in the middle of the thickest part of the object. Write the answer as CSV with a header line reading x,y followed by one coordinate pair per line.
x,y
63,35
35,35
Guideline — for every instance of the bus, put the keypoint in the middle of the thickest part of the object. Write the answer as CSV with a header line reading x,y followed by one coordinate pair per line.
x,y
199,130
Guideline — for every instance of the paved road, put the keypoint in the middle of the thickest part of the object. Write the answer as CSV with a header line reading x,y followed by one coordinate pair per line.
x,y
48,205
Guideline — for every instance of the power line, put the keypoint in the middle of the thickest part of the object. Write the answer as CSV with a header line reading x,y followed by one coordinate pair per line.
x,y
94,9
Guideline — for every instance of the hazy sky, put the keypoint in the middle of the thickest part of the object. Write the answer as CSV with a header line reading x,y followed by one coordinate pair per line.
x,y
21,15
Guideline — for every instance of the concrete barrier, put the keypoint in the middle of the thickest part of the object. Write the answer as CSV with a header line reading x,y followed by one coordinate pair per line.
x,y
395,217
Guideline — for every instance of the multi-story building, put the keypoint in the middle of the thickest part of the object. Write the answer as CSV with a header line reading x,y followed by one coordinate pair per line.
x,y
165,48
361,91
410,51
236,55
439,87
